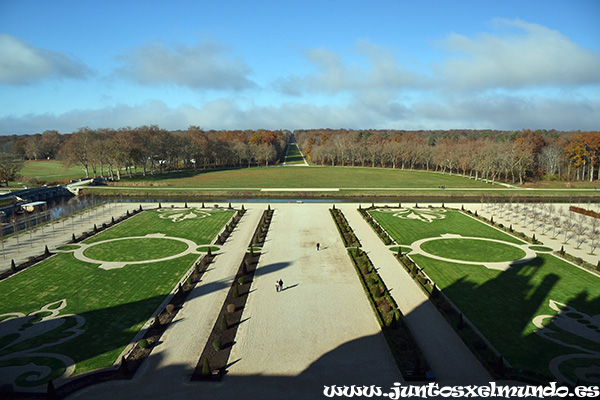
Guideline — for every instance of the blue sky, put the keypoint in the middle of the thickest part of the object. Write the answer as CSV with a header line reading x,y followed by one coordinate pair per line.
x,y
299,64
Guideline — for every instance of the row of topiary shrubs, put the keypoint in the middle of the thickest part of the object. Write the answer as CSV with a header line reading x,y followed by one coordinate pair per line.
x,y
260,234
14,268
406,352
383,235
98,229
214,358
577,260
494,363
346,232
222,238
509,229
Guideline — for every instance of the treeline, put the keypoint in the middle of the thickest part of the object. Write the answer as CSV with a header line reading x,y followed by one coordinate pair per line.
x,y
510,156
149,149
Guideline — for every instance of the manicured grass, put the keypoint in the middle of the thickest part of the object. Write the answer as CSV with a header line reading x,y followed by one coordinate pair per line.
x,y
50,170
151,222
145,249
502,304
114,303
303,177
473,250
406,230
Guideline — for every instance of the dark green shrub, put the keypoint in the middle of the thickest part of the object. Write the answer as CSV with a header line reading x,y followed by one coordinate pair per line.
x,y
224,324
236,294
216,344
241,280
143,344
206,368
156,322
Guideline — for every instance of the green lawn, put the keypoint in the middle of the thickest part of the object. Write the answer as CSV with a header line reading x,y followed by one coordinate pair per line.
x,y
114,303
293,155
50,171
146,249
473,250
502,304
151,222
408,225
303,177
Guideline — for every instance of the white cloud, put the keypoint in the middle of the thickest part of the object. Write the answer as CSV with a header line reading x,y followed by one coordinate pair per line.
x,y
205,65
483,111
382,72
534,56
22,63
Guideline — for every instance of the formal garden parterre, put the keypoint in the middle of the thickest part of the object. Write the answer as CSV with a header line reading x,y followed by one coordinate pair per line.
x,y
66,315
538,311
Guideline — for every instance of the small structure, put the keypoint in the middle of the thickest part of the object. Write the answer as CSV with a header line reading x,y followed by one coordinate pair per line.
x,y
36,205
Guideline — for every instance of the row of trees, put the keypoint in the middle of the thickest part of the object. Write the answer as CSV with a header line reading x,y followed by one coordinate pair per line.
x,y
511,156
149,149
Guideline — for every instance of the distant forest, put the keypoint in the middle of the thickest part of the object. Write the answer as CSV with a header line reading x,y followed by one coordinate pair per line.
x,y
512,156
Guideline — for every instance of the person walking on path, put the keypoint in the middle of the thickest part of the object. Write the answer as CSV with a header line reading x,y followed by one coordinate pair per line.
x,y
280,283
277,287
318,245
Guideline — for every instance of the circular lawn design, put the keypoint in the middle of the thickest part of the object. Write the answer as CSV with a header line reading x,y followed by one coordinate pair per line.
x,y
137,249
475,250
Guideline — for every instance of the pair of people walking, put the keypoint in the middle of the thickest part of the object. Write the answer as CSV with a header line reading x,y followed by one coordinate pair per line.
x,y
279,285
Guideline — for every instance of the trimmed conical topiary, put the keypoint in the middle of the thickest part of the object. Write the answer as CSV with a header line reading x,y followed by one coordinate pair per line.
x,y
159,205
46,251
236,293
186,206
206,368
13,267
209,252
73,238
224,324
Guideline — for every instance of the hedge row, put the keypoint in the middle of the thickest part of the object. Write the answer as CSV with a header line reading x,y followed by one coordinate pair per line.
x,y
383,235
583,211
406,352
346,232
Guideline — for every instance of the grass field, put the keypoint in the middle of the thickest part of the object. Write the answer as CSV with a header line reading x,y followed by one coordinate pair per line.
x,y
114,304
503,304
303,177
50,171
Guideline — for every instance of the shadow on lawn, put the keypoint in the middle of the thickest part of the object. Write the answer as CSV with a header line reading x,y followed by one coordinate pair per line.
x,y
33,347
504,309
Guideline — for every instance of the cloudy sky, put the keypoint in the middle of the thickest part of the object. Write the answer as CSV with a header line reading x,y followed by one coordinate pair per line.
x,y
402,64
